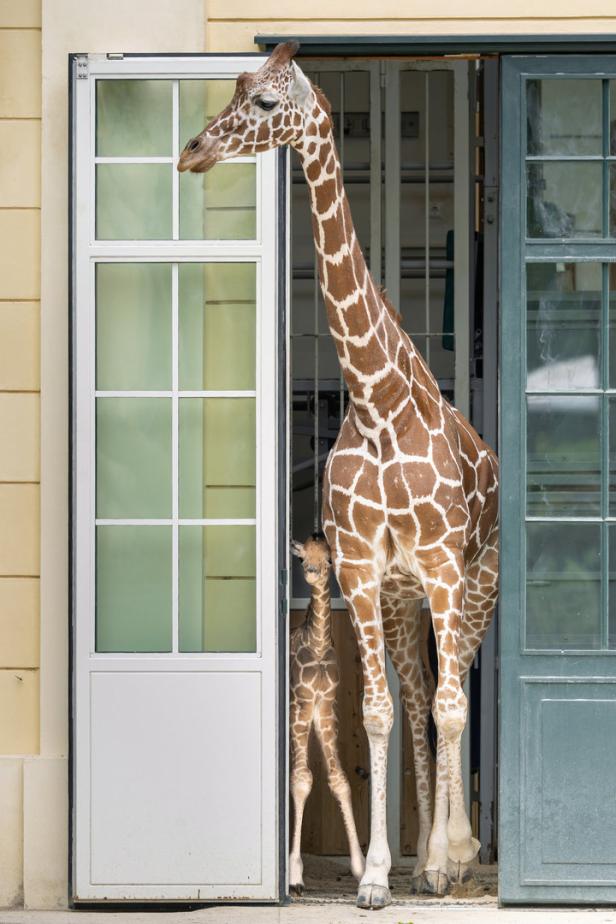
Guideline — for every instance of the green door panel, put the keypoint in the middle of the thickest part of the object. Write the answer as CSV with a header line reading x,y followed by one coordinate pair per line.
x,y
557,822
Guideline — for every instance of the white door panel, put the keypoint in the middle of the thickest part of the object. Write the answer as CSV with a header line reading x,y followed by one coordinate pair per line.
x,y
175,493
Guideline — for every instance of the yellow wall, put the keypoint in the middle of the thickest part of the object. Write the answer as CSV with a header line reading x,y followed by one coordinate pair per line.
x,y
231,26
20,200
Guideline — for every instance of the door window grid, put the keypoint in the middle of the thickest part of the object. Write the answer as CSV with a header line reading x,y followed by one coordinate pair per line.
x,y
594,612
175,395
179,182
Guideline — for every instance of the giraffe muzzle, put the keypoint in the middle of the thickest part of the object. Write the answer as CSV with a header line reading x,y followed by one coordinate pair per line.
x,y
199,155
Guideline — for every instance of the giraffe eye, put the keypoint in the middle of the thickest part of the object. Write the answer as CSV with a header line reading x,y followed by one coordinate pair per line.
x,y
266,104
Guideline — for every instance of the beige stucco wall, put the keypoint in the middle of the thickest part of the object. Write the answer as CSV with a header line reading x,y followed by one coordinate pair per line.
x,y
231,26
35,39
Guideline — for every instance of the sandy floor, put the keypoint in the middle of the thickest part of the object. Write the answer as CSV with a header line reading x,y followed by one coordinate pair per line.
x,y
329,879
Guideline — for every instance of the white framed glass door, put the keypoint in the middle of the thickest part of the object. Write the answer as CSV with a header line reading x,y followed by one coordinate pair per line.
x,y
175,492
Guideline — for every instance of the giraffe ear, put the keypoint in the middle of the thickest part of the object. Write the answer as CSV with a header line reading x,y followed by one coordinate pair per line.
x,y
301,88
282,53
297,548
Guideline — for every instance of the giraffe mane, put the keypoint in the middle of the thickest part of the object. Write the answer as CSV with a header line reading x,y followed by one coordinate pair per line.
x,y
393,311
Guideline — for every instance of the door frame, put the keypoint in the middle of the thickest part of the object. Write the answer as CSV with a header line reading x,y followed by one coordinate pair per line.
x,y
272,513
569,673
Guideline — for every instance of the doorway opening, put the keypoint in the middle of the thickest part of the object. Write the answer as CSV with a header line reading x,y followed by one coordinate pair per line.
x,y
418,143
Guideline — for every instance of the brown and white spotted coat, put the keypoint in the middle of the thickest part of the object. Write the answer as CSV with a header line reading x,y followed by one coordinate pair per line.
x,y
314,676
410,490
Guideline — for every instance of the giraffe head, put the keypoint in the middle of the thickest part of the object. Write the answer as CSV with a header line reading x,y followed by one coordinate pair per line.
x,y
270,107
315,557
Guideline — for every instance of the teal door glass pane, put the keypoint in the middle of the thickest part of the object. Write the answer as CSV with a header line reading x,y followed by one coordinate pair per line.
x,y
612,450
563,585
611,638
133,588
612,195
200,101
612,324
563,455
564,199
133,202
133,326
134,118
133,458
564,117
217,596
563,325
220,204
217,458
217,320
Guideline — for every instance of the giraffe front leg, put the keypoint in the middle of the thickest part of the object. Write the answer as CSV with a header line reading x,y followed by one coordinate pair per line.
x,y
300,715
361,593
451,844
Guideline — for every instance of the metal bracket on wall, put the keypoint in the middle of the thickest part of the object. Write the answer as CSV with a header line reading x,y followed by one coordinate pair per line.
x,y
81,67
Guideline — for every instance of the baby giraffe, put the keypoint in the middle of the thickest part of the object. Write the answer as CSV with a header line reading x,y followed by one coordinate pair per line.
x,y
314,682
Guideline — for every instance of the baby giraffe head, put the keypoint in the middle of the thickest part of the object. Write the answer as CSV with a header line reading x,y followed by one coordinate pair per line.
x,y
314,553
270,107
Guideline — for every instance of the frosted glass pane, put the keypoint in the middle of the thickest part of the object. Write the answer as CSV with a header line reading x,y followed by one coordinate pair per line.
x,y
564,116
219,204
563,317
133,202
217,457
133,588
133,118
200,101
217,605
217,317
564,200
133,326
133,457
563,455
563,585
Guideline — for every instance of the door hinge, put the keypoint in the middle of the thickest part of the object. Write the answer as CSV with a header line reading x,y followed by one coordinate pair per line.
x,y
383,70
81,67
284,597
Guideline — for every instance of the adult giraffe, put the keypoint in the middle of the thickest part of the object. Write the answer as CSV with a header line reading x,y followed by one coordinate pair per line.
x,y
410,490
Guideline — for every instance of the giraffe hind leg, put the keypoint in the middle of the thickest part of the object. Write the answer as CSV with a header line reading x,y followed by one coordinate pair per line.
x,y
301,715
326,728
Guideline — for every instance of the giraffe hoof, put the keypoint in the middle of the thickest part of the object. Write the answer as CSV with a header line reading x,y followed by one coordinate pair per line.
x,y
418,884
458,873
436,882
297,889
373,896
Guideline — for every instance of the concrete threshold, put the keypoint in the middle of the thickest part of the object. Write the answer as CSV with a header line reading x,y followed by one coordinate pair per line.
x,y
439,912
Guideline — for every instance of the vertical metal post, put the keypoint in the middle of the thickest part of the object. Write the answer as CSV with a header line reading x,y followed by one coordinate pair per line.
x,y
377,70
488,749
315,386
392,282
341,146
427,212
461,262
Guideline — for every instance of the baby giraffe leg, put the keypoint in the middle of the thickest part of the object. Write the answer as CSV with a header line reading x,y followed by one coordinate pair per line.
x,y
326,728
301,784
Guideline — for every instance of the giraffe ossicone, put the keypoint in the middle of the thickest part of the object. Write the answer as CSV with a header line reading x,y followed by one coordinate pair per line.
x,y
314,680
410,491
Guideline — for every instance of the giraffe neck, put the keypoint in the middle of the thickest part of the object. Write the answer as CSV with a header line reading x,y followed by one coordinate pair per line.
x,y
319,619
377,358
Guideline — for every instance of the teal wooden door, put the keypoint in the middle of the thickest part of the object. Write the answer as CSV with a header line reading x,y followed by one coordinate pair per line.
x,y
557,833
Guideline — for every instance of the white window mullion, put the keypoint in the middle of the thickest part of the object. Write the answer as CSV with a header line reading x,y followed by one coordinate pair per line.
x,y
175,190
175,449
